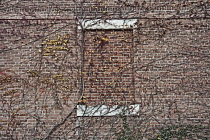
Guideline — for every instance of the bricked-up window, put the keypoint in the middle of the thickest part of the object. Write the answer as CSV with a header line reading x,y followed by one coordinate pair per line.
x,y
108,57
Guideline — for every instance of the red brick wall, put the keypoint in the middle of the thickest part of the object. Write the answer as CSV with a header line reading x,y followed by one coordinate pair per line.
x,y
108,74
163,65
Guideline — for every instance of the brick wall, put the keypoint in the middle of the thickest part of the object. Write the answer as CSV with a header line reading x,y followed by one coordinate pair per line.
x,y
48,65
108,74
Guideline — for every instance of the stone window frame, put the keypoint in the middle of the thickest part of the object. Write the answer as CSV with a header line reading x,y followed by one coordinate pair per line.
x,y
105,110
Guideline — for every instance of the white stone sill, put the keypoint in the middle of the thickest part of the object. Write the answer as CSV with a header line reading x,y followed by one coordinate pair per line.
x,y
104,110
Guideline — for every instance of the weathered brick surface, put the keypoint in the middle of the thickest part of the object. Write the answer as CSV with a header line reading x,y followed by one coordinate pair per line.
x,y
108,74
162,64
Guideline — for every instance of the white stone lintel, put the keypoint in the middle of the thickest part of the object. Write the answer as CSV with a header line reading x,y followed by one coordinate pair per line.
x,y
107,24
